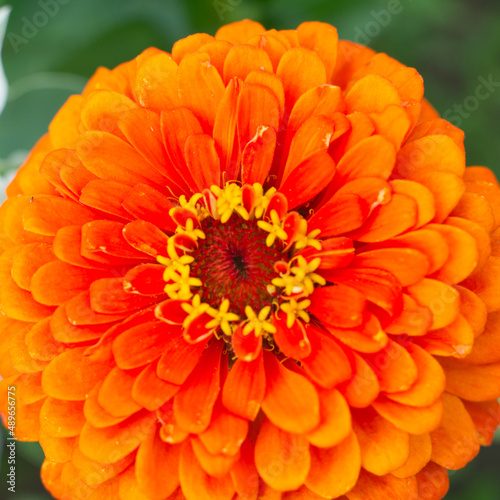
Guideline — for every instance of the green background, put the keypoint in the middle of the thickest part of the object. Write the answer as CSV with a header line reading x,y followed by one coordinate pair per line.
x,y
452,43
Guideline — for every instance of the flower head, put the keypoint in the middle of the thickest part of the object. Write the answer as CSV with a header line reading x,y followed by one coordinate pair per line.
x,y
258,263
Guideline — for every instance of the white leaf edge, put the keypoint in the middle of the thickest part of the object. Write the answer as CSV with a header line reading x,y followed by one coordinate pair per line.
x,y
4,86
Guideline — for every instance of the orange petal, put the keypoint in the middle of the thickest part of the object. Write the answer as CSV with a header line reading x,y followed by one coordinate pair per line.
x,y
196,483
108,296
18,303
370,157
225,434
487,345
64,126
240,31
430,243
454,442
143,343
145,237
200,86
49,214
94,473
179,360
455,339
128,488
409,266
242,59
486,417
341,214
393,123
312,137
384,447
429,384
446,187
145,279
420,454
485,283
214,465
244,388
308,179
72,375
409,418
193,404
295,81
335,424
150,391
95,413
103,109
376,285
154,83
79,312
463,254
437,153
116,402
189,44
334,471
327,365
202,160
67,248
292,452
370,94
184,123
106,196
58,450
60,418
56,282
110,444
363,387
27,260
473,309
383,487
257,156
323,39
338,305
472,382
441,299
433,482
388,221
291,401
481,237
154,457
110,158
148,204
422,195
395,368
142,129
244,473
224,131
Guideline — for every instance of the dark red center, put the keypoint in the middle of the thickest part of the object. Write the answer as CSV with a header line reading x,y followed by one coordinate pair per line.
x,y
234,263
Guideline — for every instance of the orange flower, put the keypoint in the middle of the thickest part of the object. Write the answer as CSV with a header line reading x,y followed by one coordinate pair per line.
x,y
256,267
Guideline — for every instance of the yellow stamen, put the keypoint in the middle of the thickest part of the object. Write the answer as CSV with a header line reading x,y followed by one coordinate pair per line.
x,y
262,200
304,240
222,317
229,200
295,310
180,289
274,228
258,323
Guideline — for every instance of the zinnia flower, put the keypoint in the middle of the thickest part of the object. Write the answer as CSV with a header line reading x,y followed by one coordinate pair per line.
x,y
256,267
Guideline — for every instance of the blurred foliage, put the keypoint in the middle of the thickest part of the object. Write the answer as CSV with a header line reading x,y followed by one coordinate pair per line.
x,y
452,43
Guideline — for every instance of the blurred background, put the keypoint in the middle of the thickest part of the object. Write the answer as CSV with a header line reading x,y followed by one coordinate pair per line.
x,y
53,46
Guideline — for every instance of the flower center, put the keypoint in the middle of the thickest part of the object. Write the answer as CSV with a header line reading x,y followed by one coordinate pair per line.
x,y
234,262
237,258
